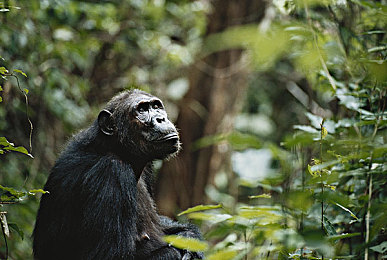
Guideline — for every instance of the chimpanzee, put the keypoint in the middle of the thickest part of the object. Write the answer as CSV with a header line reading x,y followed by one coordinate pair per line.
x,y
99,204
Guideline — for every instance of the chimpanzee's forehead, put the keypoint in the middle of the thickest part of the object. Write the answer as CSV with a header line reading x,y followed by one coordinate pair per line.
x,y
138,98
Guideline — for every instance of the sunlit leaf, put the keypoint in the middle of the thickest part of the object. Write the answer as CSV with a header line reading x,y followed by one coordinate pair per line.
x,y
11,195
347,210
3,70
214,218
21,72
34,191
19,149
200,208
324,132
186,243
224,254
265,195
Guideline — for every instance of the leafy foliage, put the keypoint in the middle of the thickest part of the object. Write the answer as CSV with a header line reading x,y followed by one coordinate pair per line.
x,y
318,74
324,195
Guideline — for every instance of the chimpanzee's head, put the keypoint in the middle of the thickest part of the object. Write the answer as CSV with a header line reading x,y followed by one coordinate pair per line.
x,y
138,123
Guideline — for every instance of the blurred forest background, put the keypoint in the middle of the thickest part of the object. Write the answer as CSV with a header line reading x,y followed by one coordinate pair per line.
x,y
280,105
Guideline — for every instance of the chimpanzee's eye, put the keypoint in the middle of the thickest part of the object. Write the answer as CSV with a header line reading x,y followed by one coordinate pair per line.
x,y
157,105
143,107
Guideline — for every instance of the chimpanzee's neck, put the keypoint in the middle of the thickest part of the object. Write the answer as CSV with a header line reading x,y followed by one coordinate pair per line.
x,y
138,167
102,144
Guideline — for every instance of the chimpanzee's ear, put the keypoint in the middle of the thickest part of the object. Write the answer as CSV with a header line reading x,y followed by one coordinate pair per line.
x,y
106,122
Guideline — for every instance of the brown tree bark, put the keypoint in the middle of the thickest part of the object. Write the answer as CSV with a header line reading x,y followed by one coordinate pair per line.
x,y
217,86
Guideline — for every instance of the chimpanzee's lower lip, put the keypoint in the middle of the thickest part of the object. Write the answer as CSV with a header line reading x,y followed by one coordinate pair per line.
x,y
168,137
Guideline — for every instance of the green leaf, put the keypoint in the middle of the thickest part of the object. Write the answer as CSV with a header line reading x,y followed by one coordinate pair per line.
x,y
26,91
11,195
311,172
4,141
224,254
320,166
34,191
200,208
324,132
342,236
16,228
3,70
381,248
1,99
306,128
265,195
350,212
186,243
19,149
21,72
377,48
331,231
1,88
214,218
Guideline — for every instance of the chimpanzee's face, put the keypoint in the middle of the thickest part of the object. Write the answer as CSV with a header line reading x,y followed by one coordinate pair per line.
x,y
156,133
140,123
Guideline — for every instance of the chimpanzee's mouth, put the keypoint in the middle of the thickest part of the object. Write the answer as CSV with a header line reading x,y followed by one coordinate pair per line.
x,y
168,137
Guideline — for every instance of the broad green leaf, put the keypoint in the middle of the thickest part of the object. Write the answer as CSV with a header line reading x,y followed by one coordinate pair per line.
x,y
265,195
21,72
1,99
214,218
381,248
200,208
186,243
1,88
224,254
26,91
331,231
19,149
306,128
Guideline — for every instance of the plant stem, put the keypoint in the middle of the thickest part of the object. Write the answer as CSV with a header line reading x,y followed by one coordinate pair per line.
x,y
367,238
5,238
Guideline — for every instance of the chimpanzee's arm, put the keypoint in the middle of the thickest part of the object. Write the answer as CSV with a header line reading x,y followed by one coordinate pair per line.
x,y
171,227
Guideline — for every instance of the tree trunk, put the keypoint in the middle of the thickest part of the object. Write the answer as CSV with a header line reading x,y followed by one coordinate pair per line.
x,y
217,87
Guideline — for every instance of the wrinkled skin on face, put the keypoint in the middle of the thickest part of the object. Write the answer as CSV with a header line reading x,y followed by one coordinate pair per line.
x,y
140,125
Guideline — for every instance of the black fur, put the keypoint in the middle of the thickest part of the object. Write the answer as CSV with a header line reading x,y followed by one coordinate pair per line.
x,y
99,204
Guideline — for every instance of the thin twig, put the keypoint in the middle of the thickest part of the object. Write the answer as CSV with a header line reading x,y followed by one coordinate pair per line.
x,y
27,110
368,216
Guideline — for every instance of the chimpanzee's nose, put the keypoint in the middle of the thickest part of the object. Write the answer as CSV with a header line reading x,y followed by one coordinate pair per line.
x,y
160,119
